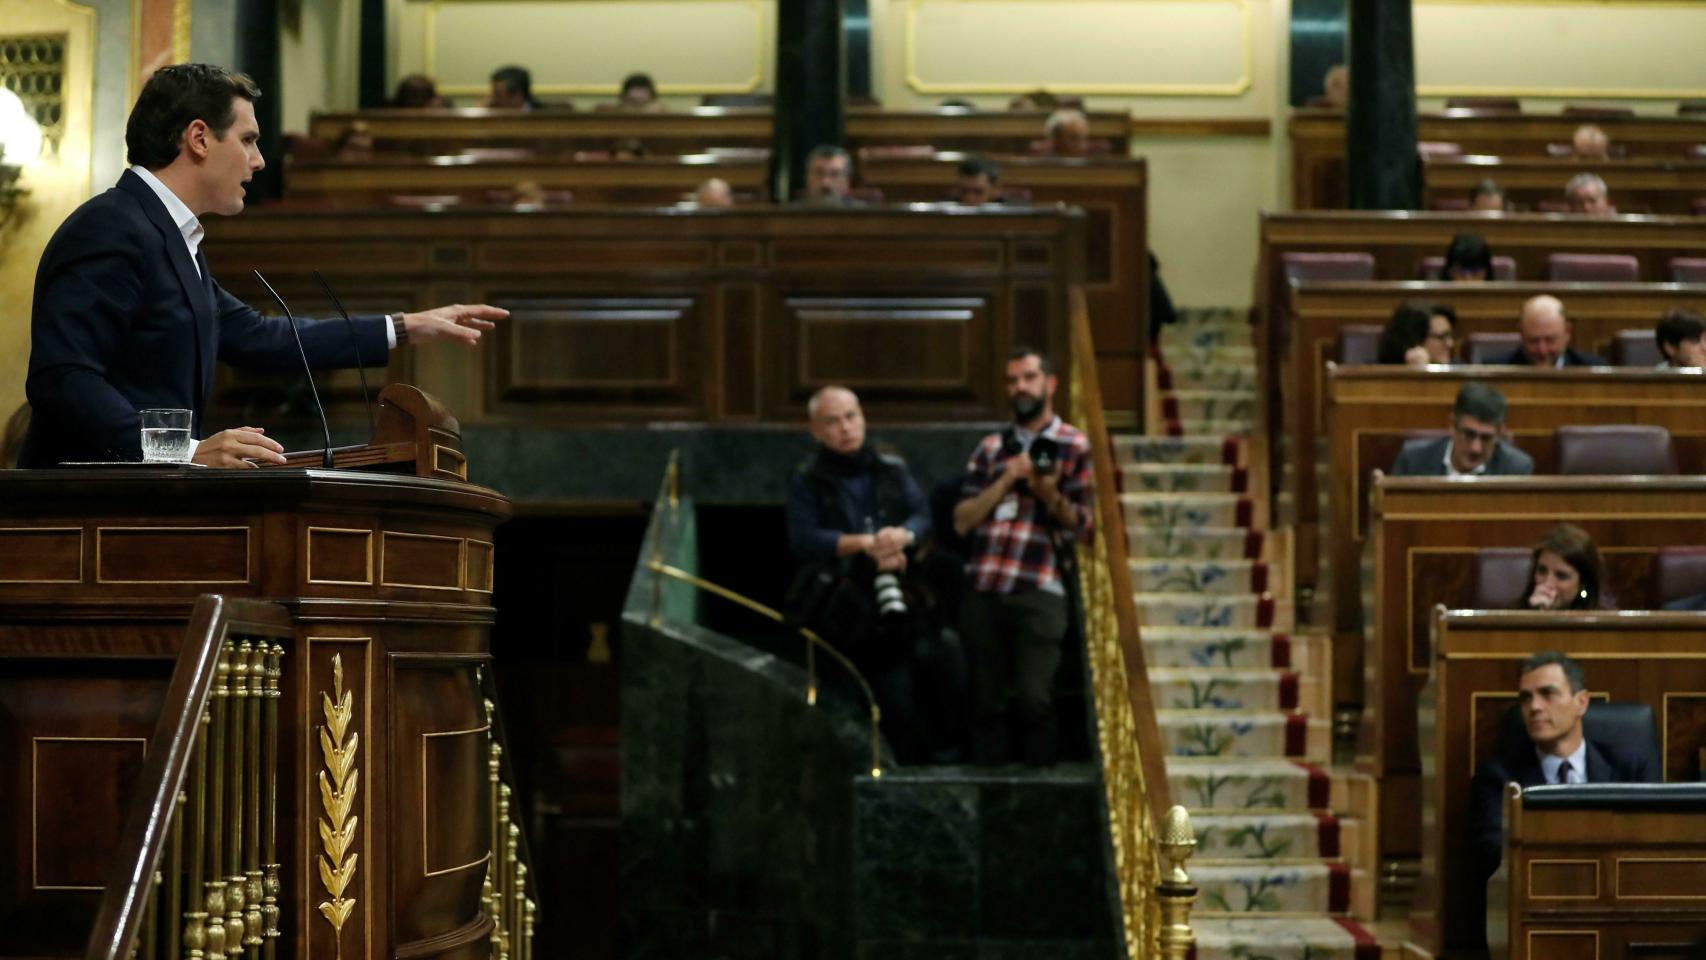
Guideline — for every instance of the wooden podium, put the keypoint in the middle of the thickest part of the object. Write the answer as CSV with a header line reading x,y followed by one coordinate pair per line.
x,y
384,580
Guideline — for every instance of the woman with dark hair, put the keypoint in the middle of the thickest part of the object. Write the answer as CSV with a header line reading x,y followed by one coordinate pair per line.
x,y
1566,572
1418,334
1467,260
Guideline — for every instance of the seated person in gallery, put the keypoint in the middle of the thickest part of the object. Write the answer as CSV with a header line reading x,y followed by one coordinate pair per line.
x,y
714,194
857,526
1335,89
1418,334
1066,133
1678,335
512,89
1589,142
829,178
1476,445
977,181
416,92
1553,697
1487,195
1468,259
639,95
1565,572
1587,194
1546,333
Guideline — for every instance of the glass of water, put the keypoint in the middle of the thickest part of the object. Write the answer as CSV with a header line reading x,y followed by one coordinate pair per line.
x,y
165,436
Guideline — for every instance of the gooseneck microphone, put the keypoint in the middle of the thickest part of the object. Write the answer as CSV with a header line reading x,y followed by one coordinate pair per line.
x,y
355,344
313,391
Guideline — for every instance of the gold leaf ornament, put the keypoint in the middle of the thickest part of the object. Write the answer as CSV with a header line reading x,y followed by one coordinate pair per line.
x,y
339,782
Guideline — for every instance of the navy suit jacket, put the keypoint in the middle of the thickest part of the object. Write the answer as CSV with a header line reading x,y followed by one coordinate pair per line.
x,y
1572,358
121,322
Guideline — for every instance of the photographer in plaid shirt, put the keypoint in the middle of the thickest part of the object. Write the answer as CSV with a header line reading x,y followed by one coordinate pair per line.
x,y
1025,501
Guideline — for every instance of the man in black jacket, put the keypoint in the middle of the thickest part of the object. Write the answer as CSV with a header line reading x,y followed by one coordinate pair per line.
x,y
856,521
1553,697
1546,334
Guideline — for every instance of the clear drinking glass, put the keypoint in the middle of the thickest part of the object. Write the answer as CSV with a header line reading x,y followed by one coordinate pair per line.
x,y
165,436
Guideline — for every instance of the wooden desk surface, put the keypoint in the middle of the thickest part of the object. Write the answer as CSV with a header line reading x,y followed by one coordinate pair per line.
x,y
633,316
1318,142
695,130
644,181
1632,656
1113,192
1661,185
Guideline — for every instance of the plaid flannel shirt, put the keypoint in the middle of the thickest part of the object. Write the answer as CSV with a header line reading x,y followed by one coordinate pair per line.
x,y
1013,549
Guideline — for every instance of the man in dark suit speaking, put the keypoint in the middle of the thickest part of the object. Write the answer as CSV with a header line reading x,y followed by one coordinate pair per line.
x,y
126,315
1475,446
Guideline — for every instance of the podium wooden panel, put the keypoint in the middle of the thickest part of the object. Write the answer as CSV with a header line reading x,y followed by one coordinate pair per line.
x,y
99,569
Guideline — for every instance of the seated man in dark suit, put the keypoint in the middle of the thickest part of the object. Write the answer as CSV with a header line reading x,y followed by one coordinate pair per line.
x,y
1546,338
127,314
1553,697
1476,445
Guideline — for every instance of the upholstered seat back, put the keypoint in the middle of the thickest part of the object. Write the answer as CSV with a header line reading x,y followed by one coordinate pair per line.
x,y
1619,450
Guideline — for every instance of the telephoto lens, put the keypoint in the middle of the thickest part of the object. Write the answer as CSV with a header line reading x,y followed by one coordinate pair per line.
x,y
890,601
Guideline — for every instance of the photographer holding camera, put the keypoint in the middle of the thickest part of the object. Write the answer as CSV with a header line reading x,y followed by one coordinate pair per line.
x,y
856,521
1025,501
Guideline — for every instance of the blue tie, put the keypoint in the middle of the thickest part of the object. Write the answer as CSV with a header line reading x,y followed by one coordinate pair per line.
x,y
1563,772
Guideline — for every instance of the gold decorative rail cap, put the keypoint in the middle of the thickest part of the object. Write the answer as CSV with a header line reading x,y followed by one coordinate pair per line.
x,y
1178,842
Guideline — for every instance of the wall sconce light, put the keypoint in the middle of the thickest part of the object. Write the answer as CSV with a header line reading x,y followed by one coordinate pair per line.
x,y
20,145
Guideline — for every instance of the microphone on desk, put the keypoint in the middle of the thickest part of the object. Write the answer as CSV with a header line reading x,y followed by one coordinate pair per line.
x,y
306,368
355,344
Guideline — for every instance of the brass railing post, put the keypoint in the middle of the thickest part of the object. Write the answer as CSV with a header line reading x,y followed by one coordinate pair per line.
x,y
1176,892
215,823
238,706
270,883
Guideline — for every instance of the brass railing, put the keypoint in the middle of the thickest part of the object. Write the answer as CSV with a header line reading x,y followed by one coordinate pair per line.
x,y
1155,905
506,891
199,853
667,516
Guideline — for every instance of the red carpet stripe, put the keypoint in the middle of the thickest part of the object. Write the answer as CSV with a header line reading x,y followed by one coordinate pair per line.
x,y
1296,735
1253,542
1246,512
1327,826
1280,650
1240,480
1339,889
1320,786
1367,947
1258,578
1265,611
1288,690
1229,450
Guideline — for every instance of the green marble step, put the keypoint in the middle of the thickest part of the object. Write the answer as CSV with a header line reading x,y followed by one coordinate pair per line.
x,y
1201,577
1207,688
1132,449
1183,478
1187,356
1187,336
1282,938
1225,612
1202,543
1275,836
1185,512
1267,735
1299,888
1224,405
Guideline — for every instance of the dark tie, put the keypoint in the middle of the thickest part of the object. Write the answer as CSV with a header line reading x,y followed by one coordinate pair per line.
x,y
1563,772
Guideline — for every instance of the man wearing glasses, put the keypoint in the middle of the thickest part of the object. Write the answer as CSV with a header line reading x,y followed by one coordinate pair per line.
x,y
1474,447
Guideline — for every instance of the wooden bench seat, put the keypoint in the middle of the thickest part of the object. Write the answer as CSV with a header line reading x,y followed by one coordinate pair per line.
x,y
645,181
1661,185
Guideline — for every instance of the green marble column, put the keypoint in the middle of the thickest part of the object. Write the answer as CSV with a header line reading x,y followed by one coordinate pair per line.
x,y
1380,125
810,89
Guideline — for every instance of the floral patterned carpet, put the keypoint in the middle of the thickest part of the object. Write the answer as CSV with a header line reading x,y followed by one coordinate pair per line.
x,y
1284,848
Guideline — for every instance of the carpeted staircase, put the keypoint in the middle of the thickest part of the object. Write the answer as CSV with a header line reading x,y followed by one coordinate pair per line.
x,y
1285,857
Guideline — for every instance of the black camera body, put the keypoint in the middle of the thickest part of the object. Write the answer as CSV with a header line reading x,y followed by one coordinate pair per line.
x,y
1045,454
